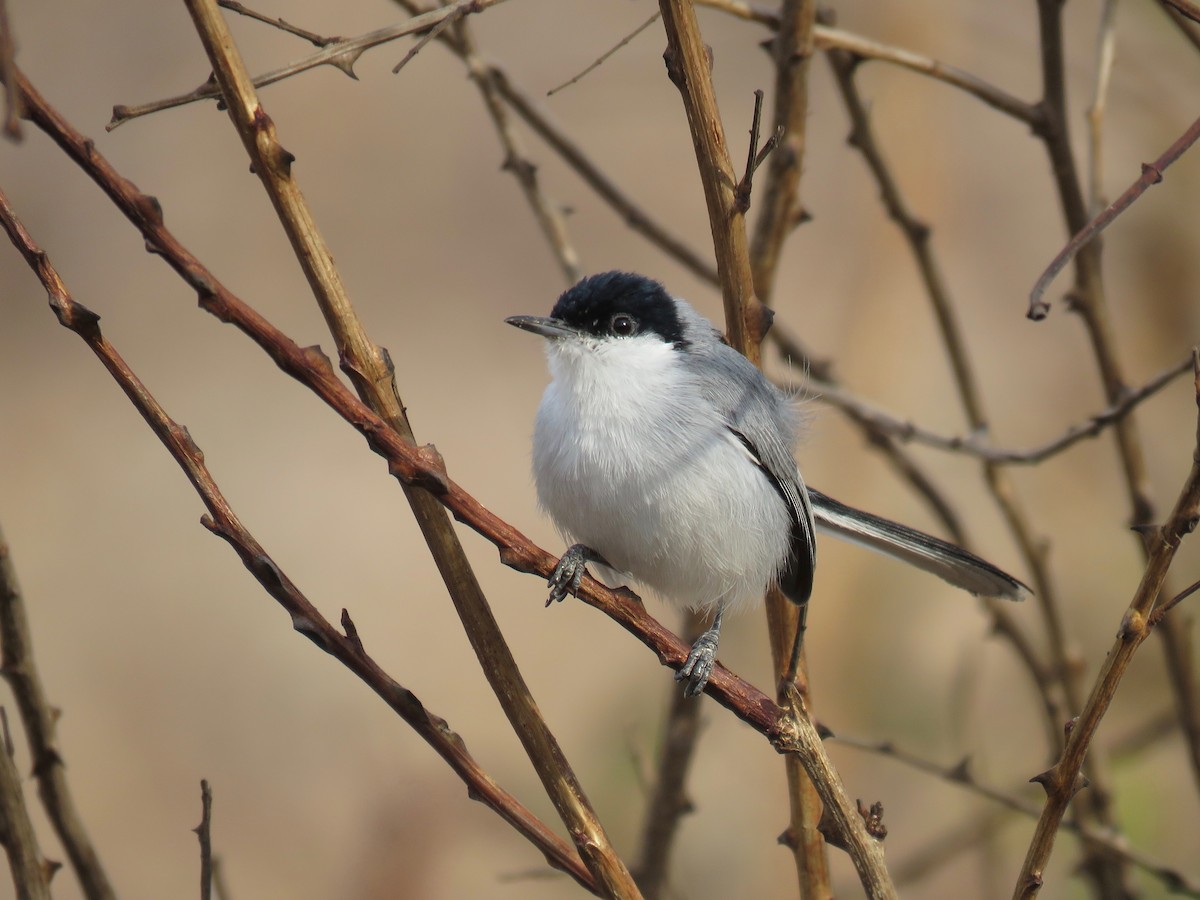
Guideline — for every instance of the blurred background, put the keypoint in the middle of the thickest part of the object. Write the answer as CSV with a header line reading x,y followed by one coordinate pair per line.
x,y
169,662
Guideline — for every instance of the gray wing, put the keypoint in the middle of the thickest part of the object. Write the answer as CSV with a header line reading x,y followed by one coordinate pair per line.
x,y
763,419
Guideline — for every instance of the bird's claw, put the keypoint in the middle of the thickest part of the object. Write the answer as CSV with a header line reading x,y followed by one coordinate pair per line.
x,y
699,664
568,574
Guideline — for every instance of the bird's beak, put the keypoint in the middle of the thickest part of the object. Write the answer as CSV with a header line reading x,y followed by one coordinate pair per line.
x,y
546,327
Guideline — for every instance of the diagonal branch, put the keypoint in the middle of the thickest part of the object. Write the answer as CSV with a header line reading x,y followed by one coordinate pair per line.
x,y
306,619
371,371
1152,174
341,55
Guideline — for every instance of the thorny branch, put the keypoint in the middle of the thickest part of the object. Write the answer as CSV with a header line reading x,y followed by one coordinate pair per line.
x,y
1152,174
223,522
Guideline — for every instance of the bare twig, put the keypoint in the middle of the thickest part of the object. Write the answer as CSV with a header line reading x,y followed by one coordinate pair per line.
x,y
431,34
1106,51
1189,29
689,67
1063,779
1164,608
604,57
204,834
548,213
827,37
40,719
1152,174
634,215
222,521
1186,8
316,40
754,156
30,870
977,445
780,211
342,55
8,53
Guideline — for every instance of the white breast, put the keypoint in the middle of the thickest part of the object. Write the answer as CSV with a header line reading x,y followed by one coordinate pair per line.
x,y
631,461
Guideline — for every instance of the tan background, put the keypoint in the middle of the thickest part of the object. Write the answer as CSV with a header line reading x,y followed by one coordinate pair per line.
x,y
170,663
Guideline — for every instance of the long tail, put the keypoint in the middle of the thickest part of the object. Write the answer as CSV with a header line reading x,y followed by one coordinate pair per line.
x,y
945,560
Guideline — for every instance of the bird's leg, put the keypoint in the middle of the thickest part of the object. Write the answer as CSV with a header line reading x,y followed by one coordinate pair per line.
x,y
568,573
699,664
793,668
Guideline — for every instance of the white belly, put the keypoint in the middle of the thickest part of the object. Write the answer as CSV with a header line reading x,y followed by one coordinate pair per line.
x,y
670,498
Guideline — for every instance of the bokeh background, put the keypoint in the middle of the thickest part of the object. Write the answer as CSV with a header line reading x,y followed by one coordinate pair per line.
x,y
170,664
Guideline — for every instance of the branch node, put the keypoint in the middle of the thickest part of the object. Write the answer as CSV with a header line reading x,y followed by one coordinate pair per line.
x,y
351,631
873,819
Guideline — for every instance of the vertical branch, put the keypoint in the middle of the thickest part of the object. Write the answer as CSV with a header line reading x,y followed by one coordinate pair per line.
x,y
1106,50
30,871
689,66
791,50
371,371
204,835
40,721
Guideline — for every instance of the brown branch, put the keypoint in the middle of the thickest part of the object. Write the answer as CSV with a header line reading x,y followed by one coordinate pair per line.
x,y
791,52
1186,26
604,56
371,371
30,870
8,54
1106,52
1063,779
548,214
316,40
826,37
635,216
689,66
1186,8
1152,174
221,519
204,835
977,445
40,720
342,55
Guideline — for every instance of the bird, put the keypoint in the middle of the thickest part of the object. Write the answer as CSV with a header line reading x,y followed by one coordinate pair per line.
x,y
665,457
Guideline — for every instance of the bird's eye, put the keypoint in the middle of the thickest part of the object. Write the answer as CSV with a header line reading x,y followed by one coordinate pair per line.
x,y
623,325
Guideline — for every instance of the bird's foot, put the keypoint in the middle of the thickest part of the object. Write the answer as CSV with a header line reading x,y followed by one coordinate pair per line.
x,y
568,574
700,661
